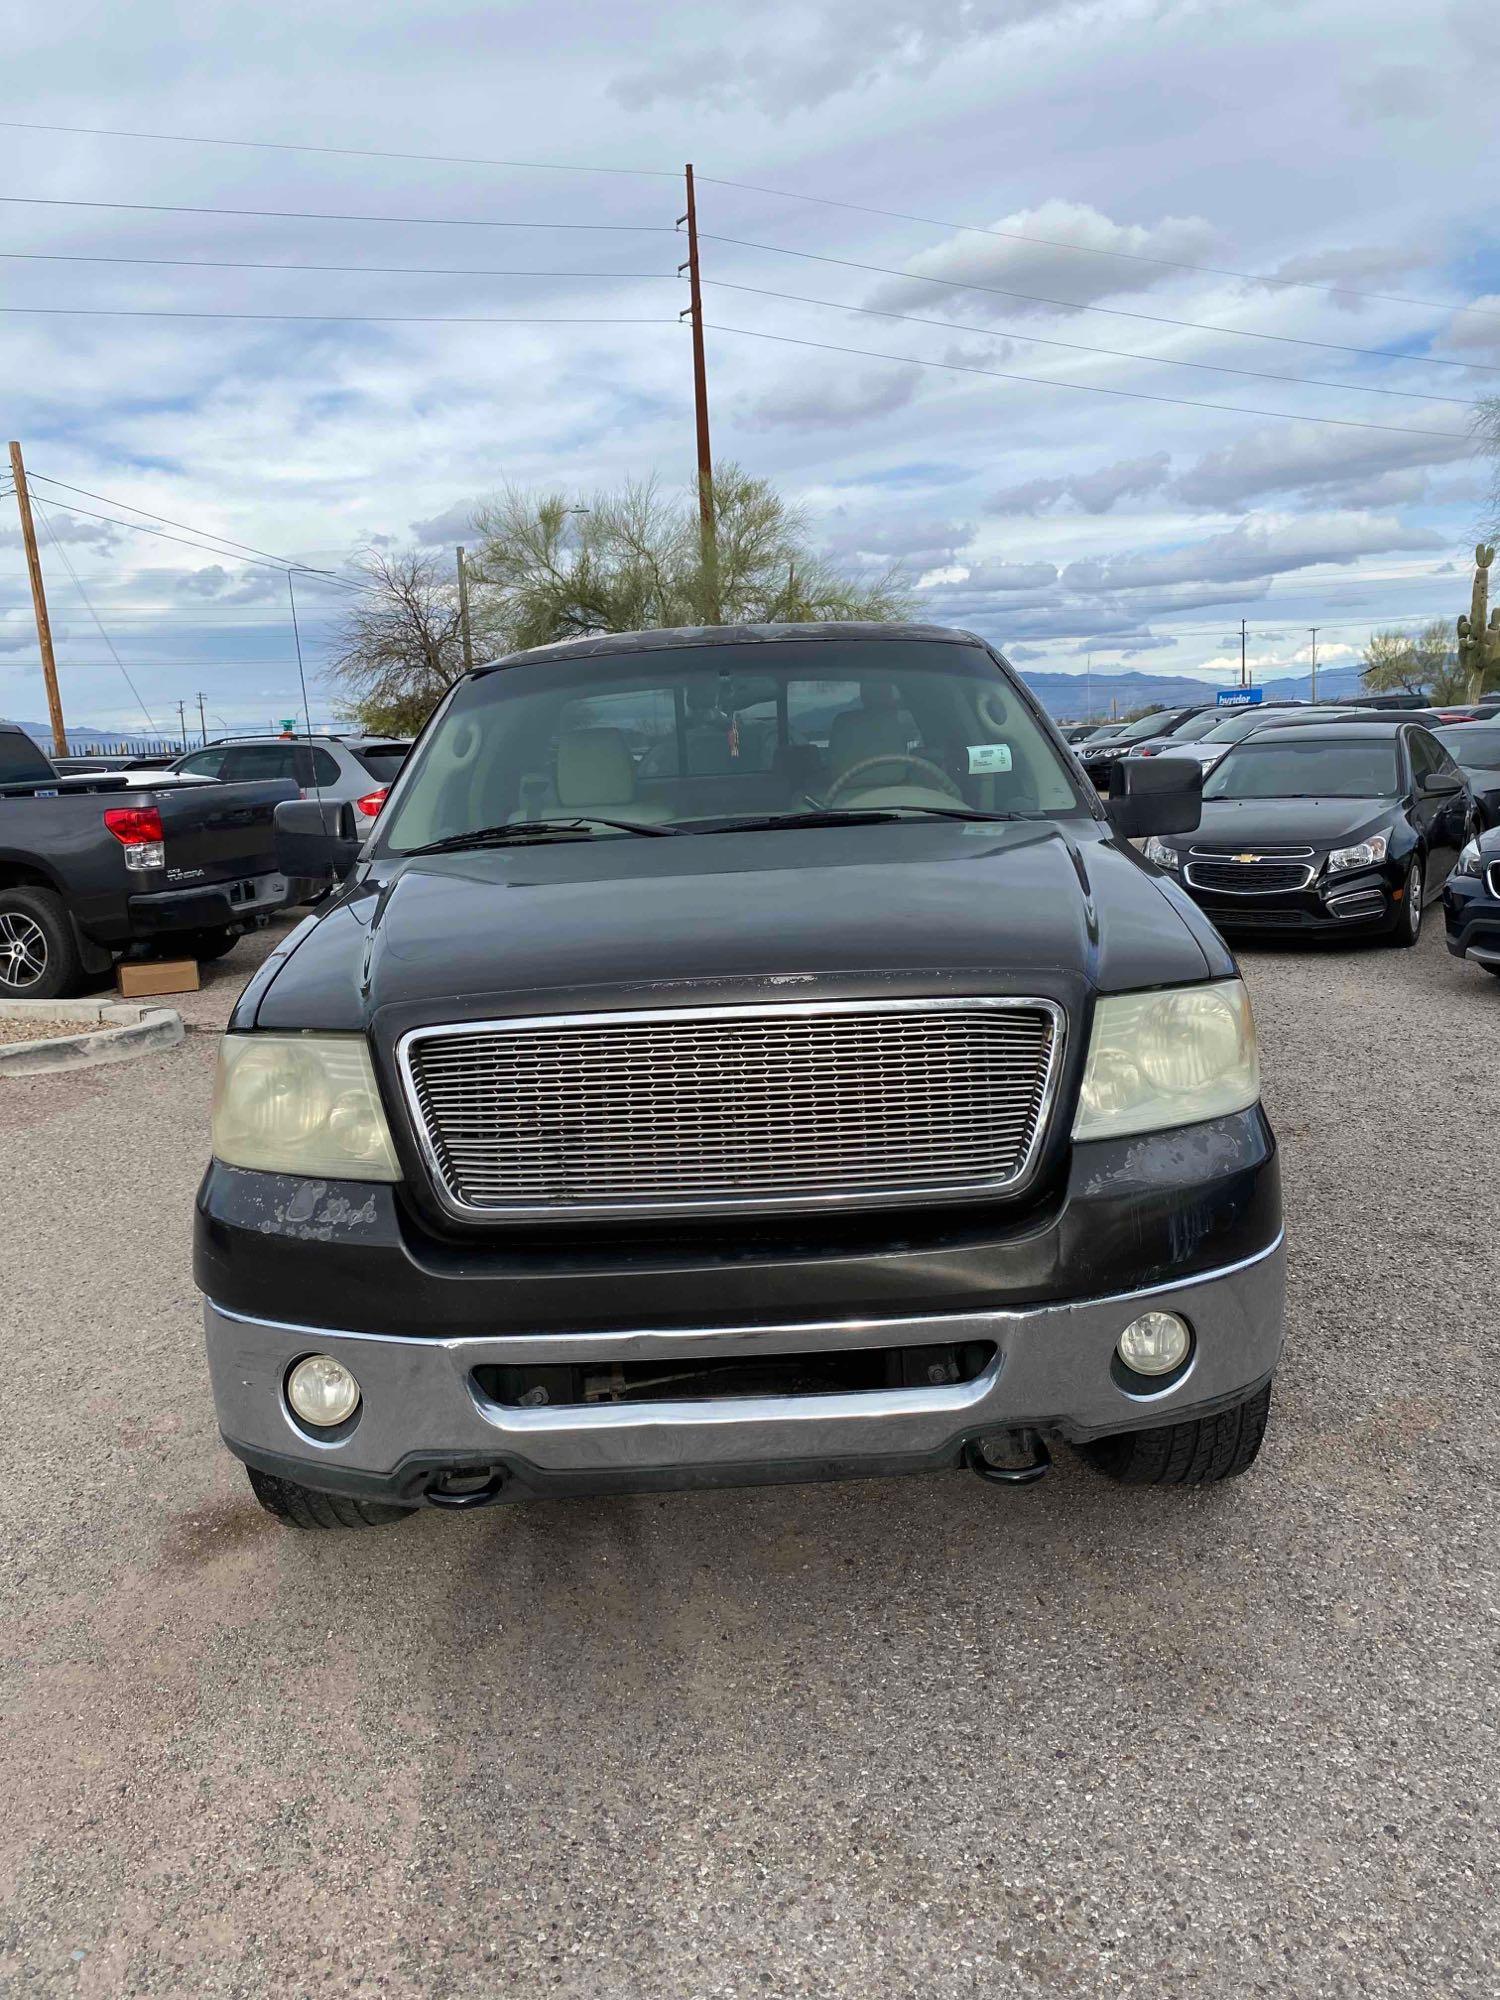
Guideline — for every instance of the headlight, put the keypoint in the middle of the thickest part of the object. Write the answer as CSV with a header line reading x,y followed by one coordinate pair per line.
x,y
1172,1058
1164,856
301,1104
1468,862
1363,855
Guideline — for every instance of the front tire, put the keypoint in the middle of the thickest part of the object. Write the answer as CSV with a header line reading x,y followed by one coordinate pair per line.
x,y
1408,925
39,955
304,1507
1198,1453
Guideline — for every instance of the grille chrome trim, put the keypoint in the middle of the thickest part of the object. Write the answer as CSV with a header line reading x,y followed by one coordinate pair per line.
x,y
1248,872
1016,1128
1492,879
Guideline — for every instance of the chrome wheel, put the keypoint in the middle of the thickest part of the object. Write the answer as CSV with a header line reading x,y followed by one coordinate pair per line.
x,y
1414,901
23,950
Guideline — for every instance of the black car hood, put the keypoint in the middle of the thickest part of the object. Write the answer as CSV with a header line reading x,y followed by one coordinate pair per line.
x,y
630,922
1317,823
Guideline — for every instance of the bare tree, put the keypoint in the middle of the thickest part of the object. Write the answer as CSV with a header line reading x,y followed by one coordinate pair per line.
x,y
1485,424
1424,662
400,645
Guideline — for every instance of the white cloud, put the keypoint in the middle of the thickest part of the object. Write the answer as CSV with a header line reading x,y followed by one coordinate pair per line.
x,y
978,266
1254,549
1359,468
1095,492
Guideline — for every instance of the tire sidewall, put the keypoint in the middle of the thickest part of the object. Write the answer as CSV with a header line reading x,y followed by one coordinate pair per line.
x,y
62,972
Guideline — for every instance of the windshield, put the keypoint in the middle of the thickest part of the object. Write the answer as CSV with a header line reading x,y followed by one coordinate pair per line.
x,y
1197,726
1472,745
1159,723
1242,722
1324,769
691,735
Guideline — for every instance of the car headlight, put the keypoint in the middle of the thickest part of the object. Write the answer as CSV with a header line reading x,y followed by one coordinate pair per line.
x,y
1170,1058
301,1104
1468,862
1164,856
1364,854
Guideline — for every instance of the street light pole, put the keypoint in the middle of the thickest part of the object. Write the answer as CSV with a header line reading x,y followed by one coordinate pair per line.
x,y
1314,630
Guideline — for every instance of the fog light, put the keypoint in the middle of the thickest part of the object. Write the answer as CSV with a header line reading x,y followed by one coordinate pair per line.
x,y
322,1391
1155,1344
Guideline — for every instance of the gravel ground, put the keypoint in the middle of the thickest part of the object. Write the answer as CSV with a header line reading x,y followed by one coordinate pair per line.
x,y
25,1029
918,1738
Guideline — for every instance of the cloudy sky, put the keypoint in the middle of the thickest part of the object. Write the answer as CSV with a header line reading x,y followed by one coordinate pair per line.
x,y
1036,205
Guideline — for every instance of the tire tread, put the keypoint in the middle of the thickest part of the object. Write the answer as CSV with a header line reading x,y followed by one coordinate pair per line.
x,y
1198,1453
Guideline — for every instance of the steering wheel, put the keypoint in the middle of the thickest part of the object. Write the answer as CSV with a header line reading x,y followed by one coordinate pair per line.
x,y
903,757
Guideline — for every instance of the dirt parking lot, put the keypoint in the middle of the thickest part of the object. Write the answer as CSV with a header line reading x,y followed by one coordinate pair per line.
x,y
921,1738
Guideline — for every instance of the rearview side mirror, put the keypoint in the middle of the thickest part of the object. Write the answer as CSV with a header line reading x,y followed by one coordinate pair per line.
x,y
1441,784
1155,795
316,839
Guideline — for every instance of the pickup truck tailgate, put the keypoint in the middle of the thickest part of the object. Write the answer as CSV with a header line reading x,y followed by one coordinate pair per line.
x,y
218,833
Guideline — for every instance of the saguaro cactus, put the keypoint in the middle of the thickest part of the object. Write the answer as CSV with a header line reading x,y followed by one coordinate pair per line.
x,y
1478,636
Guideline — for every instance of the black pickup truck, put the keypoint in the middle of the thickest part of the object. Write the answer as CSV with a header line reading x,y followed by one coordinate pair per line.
x,y
93,864
738,1055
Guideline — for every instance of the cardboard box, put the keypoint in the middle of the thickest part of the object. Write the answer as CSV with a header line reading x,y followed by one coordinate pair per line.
x,y
138,977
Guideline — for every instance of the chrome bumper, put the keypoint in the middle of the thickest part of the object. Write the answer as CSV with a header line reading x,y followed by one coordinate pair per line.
x,y
423,1413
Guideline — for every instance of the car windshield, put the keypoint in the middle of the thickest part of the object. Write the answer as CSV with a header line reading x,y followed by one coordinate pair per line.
x,y
1197,727
1472,744
1159,723
1323,769
689,736
1240,722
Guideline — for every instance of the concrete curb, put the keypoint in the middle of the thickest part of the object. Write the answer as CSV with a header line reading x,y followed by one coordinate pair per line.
x,y
127,1031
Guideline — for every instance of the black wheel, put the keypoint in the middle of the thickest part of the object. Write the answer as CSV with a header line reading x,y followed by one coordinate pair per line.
x,y
1192,1454
1408,925
304,1507
39,956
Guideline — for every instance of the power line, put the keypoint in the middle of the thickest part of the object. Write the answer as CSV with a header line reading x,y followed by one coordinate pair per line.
x,y
1093,250
721,284
1078,347
339,152
166,521
88,606
318,215
744,187
335,319
374,270
1085,388
1110,312
322,575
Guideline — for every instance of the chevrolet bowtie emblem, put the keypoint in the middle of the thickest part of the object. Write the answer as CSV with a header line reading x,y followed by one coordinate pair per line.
x,y
1247,857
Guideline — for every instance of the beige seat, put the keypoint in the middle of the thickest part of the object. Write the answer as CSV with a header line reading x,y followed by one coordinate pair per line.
x,y
596,774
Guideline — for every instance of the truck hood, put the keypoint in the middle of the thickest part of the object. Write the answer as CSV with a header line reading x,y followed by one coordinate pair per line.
x,y
855,913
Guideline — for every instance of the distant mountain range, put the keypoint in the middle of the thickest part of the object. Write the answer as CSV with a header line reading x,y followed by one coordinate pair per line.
x,y
1068,695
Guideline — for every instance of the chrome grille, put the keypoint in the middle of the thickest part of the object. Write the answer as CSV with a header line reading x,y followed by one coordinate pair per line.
x,y
1231,876
683,1110
1492,880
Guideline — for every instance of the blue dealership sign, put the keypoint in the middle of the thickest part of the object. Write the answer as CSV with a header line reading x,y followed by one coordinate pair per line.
x,y
1239,697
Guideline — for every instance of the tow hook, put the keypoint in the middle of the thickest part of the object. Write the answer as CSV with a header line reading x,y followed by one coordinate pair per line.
x,y
461,1498
1008,1458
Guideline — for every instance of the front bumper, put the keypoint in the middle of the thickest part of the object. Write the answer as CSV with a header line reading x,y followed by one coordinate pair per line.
x,y
1471,915
424,1416
1357,900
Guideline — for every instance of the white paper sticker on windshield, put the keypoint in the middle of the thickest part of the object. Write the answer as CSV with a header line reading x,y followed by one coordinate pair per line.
x,y
988,757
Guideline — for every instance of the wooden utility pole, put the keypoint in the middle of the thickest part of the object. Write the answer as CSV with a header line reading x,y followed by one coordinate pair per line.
x,y
463,611
39,603
202,723
694,312
1244,670
1314,630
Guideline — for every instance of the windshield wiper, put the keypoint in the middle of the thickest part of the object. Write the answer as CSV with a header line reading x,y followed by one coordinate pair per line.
x,y
524,830
832,816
